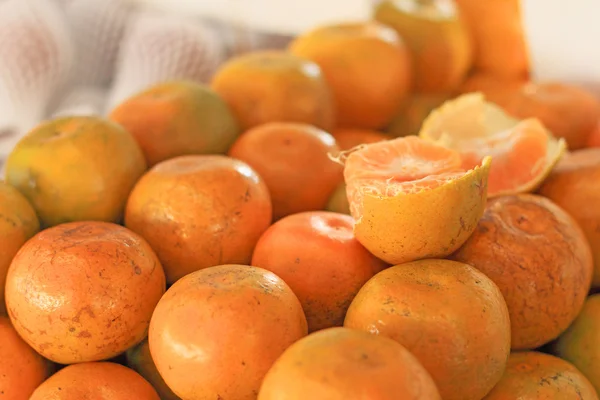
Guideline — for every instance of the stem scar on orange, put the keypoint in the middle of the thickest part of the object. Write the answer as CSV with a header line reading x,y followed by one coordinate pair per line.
x,y
412,199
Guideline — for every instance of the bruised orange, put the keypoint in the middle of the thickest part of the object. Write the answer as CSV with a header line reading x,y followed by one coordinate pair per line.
x,y
176,118
217,331
275,86
18,223
412,199
199,211
140,360
83,291
341,364
532,375
95,380
367,66
574,185
449,315
76,169
293,160
540,259
317,254
21,368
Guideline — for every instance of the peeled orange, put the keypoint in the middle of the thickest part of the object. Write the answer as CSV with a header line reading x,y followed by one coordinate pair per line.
x,y
412,198
524,151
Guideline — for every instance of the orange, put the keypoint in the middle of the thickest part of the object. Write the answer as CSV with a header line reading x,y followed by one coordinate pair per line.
x,y
437,38
341,364
275,86
317,254
18,223
412,199
574,185
594,138
496,31
349,138
199,211
83,291
76,169
539,258
567,111
176,118
216,332
578,344
532,375
21,368
497,89
368,68
412,113
293,159
95,380
338,201
140,360
449,315
523,151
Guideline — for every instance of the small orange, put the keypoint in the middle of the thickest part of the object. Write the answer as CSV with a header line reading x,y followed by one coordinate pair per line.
x,y
21,368
83,291
140,360
176,118
95,380
199,211
367,66
293,159
273,86
217,331
341,364
317,254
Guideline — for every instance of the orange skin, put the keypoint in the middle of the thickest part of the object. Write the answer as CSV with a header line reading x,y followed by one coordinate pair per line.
x,y
83,291
21,368
76,169
176,118
216,332
338,201
95,380
350,138
574,185
497,35
462,339
496,89
293,160
317,254
537,376
352,364
539,258
367,66
567,111
270,86
199,211
18,223
594,138
140,360
579,343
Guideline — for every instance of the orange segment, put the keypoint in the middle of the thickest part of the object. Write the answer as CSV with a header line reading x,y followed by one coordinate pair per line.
x,y
524,151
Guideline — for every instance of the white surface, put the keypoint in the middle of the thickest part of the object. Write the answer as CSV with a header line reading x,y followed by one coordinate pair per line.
x,y
562,37
277,16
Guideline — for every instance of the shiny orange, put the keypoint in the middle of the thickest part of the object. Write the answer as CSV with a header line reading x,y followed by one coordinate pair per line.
x,y
272,86
532,375
21,368
171,119
350,138
217,331
367,66
317,254
293,159
540,259
95,380
140,360
351,363
449,315
18,223
200,211
83,291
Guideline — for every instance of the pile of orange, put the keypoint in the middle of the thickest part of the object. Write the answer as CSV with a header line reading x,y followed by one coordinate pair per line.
x,y
386,210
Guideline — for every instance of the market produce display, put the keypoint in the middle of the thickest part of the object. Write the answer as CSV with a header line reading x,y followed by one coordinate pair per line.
x,y
389,209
